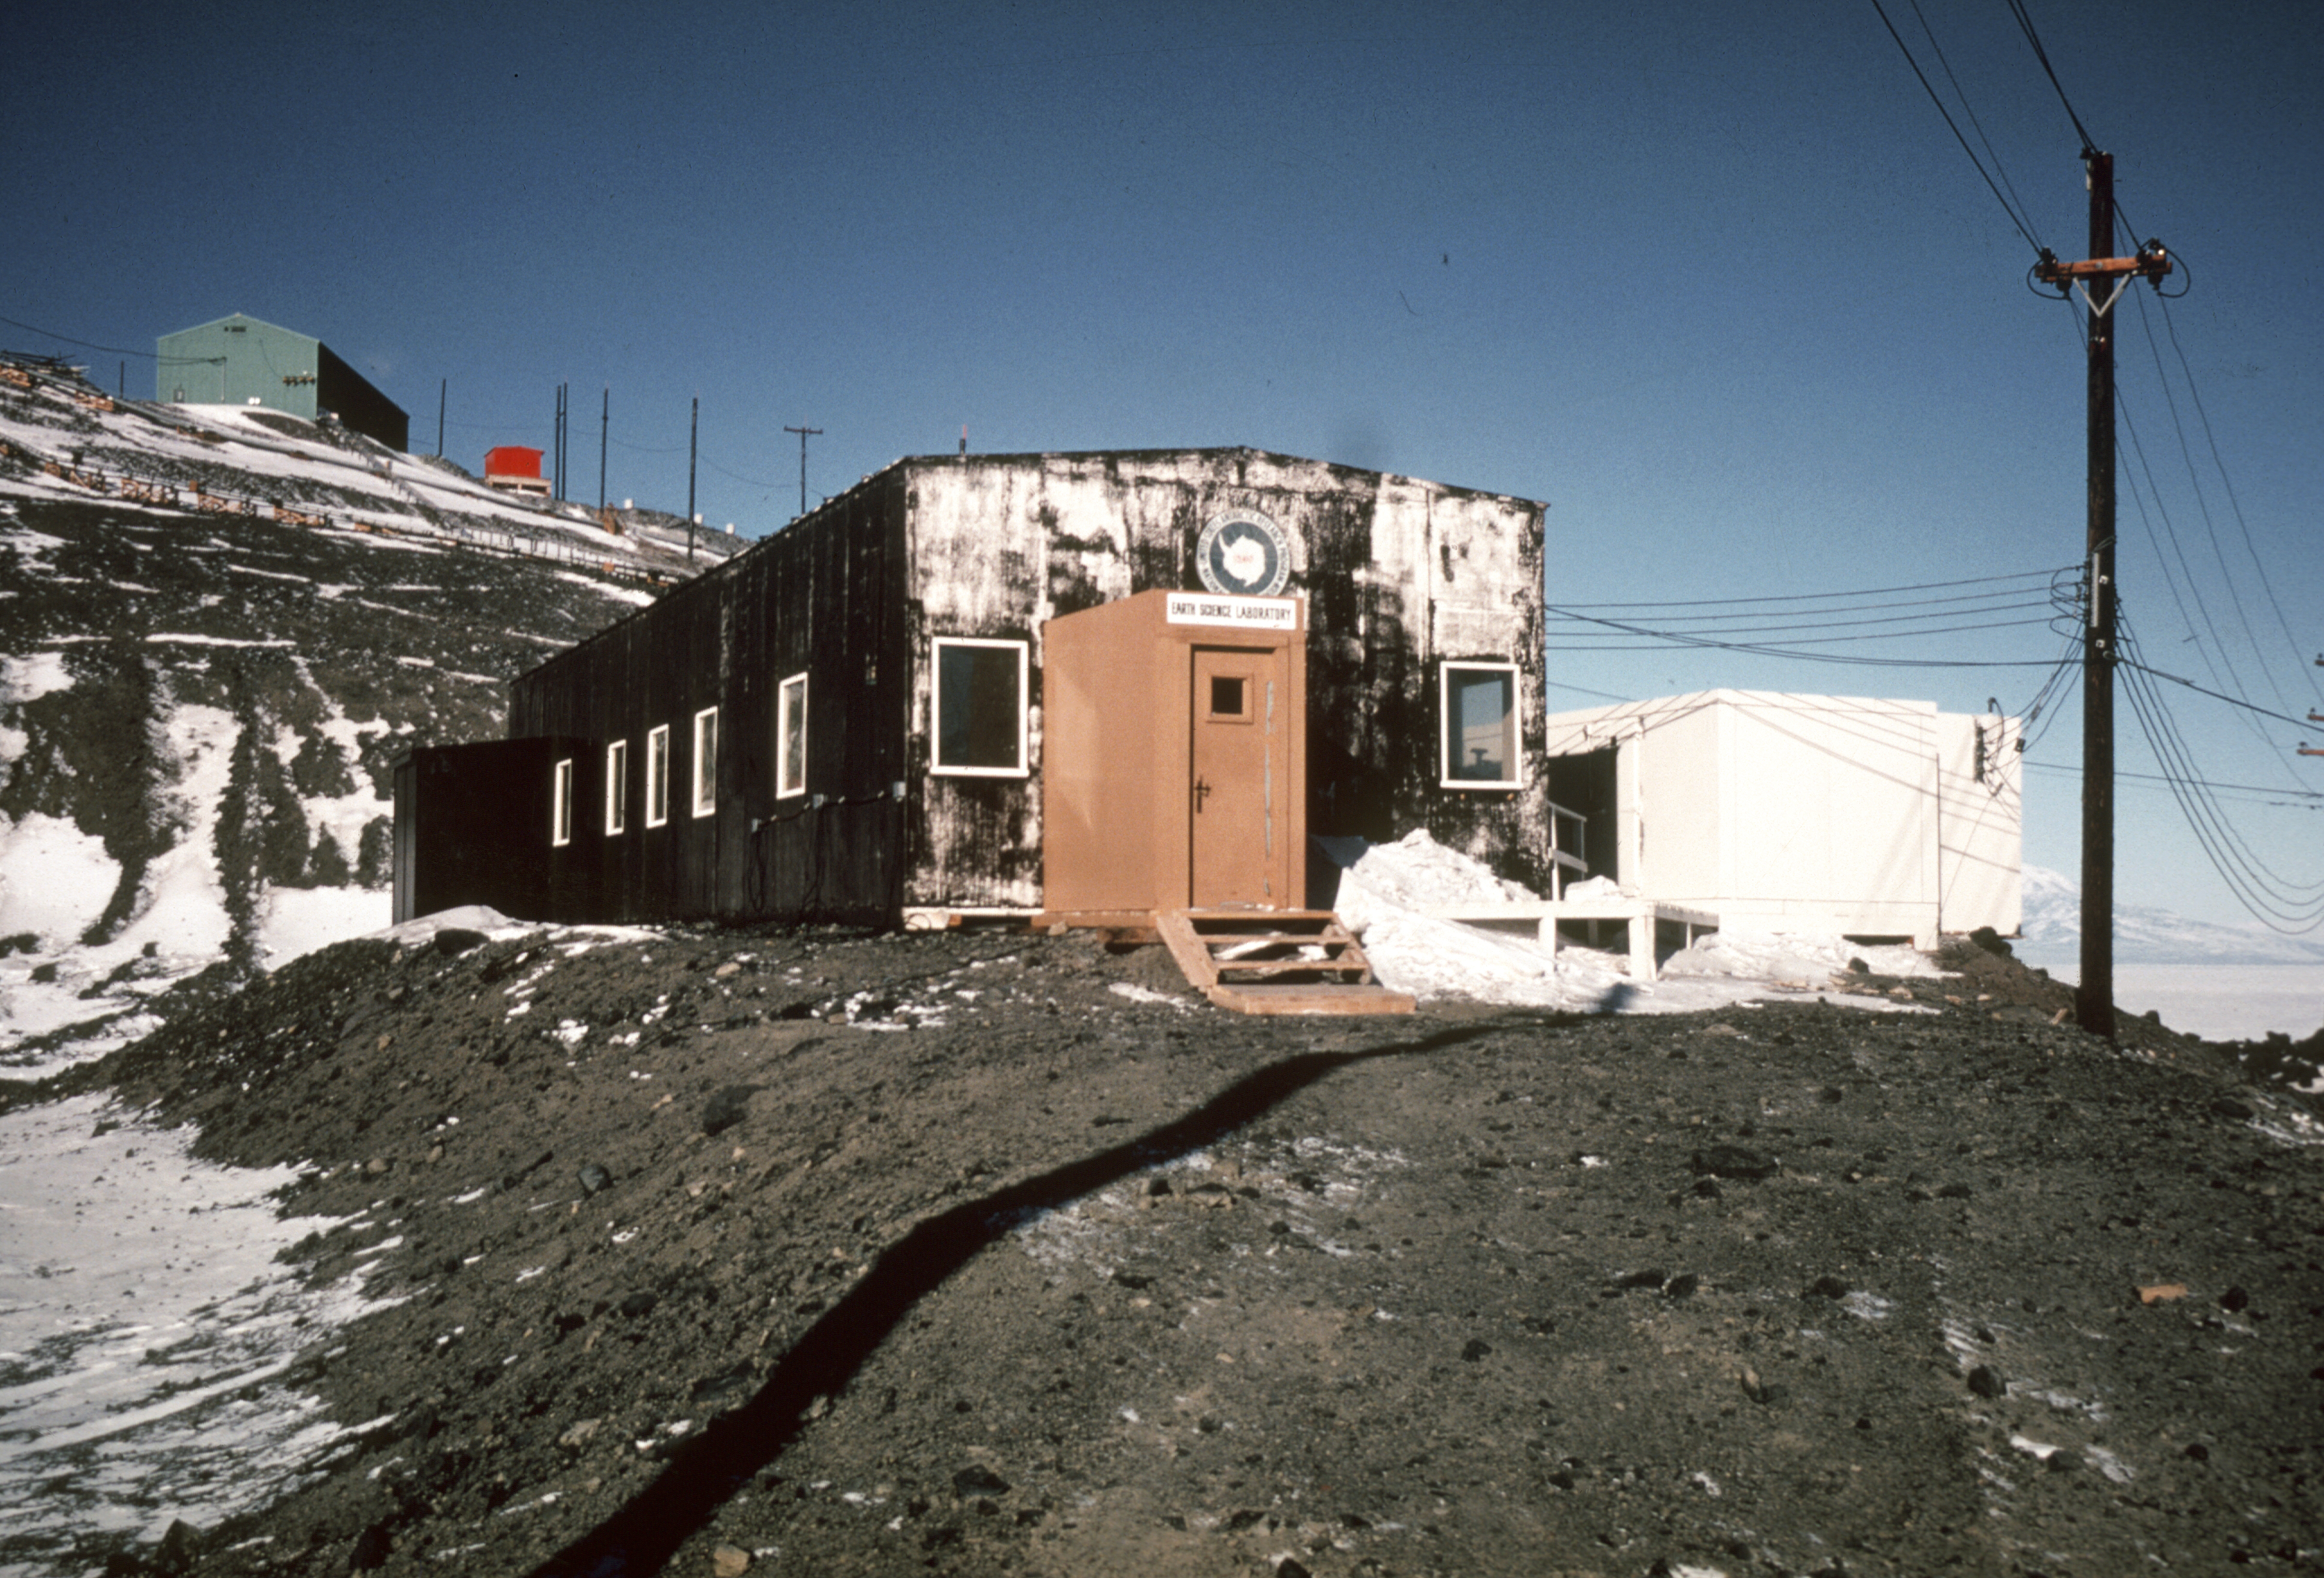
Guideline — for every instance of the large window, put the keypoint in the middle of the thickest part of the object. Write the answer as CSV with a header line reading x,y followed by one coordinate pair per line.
x,y
617,787
790,737
1481,725
979,727
560,803
705,761
658,777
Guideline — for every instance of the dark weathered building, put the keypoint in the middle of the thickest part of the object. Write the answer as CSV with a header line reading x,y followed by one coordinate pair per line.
x,y
845,721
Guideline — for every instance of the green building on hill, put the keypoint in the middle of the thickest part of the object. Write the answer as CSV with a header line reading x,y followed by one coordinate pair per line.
x,y
241,361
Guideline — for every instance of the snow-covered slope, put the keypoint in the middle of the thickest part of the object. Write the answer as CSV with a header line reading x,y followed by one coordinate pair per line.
x,y
217,628
2142,934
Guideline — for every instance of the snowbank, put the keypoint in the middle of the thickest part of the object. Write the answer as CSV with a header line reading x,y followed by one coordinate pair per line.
x,y
1384,887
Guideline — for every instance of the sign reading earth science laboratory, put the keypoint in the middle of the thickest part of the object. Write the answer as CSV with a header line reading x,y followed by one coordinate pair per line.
x,y
1243,554
1239,613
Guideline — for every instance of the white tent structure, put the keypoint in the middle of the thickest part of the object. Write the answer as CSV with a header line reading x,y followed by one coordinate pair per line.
x,y
1801,814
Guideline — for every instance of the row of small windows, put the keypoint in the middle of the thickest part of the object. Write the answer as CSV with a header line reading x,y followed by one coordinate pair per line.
x,y
978,729
617,780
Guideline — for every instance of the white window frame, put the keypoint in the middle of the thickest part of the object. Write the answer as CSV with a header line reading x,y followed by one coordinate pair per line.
x,y
790,718
935,708
1446,728
617,789
705,761
560,804
658,776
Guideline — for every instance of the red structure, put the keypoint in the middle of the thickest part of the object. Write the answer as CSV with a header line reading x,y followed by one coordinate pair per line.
x,y
515,469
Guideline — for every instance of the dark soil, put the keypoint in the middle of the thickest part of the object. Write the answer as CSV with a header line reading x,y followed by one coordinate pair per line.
x,y
707,1264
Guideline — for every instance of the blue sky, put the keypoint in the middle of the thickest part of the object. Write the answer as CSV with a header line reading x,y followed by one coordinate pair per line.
x,y
1715,282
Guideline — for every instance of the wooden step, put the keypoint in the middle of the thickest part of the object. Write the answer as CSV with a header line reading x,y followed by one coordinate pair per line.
x,y
1239,958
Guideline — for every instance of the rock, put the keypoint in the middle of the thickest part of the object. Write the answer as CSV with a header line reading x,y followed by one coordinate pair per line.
x,y
1291,1567
638,1305
2235,1299
730,1561
579,1435
180,1549
729,1107
1477,1348
1628,1279
374,1544
1681,1286
976,1480
1827,1287
1733,1161
595,1179
1985,1383
2228,1107
457,939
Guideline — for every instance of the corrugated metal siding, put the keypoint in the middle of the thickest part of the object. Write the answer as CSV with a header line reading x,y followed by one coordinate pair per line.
x,y
257,357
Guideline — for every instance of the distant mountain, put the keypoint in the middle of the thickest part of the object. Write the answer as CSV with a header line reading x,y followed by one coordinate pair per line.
x,y
2144,935
218,626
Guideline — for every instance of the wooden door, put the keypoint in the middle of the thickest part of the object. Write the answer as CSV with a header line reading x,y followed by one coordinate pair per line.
x,y
1237,765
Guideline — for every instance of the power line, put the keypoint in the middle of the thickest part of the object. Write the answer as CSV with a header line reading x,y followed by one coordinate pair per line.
x,y
2025,26
1683,639
2215,695
1810,597
2228,483
2017,204
112,350
2312,799
1930,90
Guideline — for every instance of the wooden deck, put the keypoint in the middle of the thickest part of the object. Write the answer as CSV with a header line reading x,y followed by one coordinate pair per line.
x,y
1641,916
1276,962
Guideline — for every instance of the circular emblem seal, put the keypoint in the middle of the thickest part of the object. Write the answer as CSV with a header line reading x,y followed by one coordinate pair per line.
x,y
1243,554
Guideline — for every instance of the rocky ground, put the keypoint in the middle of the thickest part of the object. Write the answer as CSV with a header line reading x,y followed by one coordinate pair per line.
x,y
981,1253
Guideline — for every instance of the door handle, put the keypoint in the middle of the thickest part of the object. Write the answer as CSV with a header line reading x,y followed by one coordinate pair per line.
x,y
1202,792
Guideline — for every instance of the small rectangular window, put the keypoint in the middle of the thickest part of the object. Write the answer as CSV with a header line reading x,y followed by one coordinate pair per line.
x,y
790,737
560,806
658,777
617,787
978,701
1481,725
705,761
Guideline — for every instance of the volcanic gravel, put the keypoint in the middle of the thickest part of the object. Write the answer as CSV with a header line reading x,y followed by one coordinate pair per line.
x,y
724,1251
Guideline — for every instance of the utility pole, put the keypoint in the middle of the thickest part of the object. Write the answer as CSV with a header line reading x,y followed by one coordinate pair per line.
x,y
443,388
693,433
2101,281
803,432
557,468
605,428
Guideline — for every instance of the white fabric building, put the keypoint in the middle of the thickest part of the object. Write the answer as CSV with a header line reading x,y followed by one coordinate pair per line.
x,y
1804,813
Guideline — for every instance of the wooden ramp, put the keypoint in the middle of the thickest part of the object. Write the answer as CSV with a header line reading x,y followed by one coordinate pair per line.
x,y
1276,961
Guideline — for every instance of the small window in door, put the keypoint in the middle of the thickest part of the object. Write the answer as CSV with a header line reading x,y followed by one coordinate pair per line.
x,y
560,804
790,737
1480,727
617,787
979,706
1230,697
658,777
